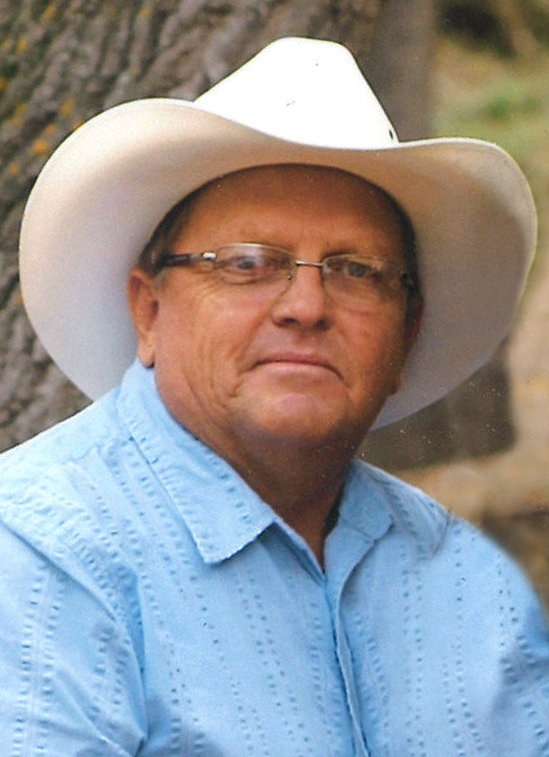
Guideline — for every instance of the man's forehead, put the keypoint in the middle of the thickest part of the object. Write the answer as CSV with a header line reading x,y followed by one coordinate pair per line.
x,y
287,186
287,174
281,204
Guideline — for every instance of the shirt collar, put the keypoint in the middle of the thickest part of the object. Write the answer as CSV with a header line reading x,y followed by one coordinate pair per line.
x,y
377,500
364,518
364,506
221,511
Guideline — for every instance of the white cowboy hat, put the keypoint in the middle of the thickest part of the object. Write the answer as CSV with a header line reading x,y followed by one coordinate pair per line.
x,y
108,185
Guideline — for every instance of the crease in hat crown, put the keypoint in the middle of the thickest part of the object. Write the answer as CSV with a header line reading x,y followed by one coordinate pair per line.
x,y
308,91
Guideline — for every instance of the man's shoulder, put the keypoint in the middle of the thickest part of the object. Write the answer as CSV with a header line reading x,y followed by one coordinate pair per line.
x,y
57,449
59,492
430,538
425,524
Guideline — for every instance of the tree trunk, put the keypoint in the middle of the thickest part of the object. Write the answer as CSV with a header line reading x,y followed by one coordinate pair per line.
x,y
400,62
63,61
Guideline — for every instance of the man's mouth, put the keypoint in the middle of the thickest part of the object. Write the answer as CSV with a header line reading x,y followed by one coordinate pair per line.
x,y
298,359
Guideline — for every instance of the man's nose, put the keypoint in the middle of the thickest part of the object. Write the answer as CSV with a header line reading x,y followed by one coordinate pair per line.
x,y
304,303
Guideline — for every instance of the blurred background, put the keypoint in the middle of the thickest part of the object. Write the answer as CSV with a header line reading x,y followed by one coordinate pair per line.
x,y
476,68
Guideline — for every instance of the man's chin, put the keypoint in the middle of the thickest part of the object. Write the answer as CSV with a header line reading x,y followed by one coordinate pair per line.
x,y
301,420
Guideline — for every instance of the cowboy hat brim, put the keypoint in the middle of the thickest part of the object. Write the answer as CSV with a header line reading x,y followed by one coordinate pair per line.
x,y
106,188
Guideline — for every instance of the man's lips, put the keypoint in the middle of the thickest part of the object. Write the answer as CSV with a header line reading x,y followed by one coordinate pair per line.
x,y
297,359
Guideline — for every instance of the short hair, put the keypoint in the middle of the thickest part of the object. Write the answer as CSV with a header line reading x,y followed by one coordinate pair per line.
x,y
167,233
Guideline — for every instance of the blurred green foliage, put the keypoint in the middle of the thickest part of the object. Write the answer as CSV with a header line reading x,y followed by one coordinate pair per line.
x,y
480,94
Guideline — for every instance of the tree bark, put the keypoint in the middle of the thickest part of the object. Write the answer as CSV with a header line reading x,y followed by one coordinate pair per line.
x,y
63,61
400,62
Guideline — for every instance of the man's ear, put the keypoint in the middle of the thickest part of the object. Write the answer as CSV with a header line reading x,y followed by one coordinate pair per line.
x,y
413,323
142,293
412,328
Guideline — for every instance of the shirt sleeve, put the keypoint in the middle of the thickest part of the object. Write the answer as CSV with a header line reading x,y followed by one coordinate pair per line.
x,y
524,642
70,676
498,684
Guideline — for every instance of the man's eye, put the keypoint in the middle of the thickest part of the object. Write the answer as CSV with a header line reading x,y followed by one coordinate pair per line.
x,y
260,263
360,270
243,269
242,264
356,269
245,263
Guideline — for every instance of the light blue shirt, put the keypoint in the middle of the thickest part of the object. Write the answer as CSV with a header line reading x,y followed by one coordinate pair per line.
x,y
152,604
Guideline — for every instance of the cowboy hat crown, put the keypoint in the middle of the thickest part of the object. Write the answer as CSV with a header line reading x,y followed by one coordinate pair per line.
x,y
313,94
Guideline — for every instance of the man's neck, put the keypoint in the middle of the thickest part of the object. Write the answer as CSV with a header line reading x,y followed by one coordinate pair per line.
x,y
301,484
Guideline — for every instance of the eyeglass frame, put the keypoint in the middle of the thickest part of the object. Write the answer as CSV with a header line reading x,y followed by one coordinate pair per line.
x,y
171,260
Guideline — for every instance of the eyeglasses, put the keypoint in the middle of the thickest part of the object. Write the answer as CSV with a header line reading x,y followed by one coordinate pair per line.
x,y
355,280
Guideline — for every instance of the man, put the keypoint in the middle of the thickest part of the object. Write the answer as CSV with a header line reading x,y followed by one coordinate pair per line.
x,y
195,565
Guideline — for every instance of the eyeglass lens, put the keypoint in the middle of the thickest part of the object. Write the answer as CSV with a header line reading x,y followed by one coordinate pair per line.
x,y
356,278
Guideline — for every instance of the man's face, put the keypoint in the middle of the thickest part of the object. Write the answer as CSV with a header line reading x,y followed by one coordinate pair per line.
x,y
238,366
